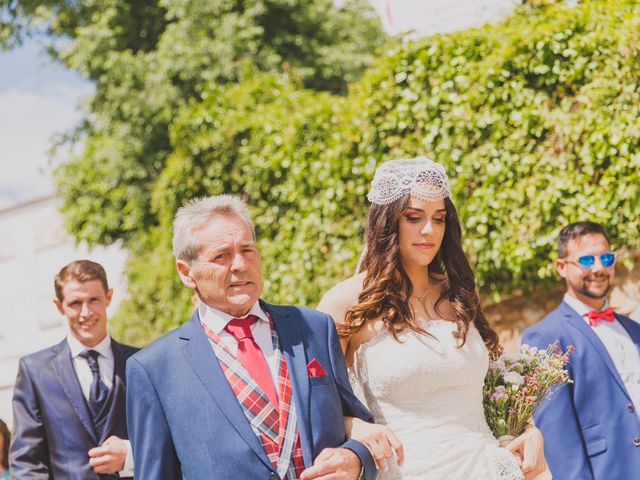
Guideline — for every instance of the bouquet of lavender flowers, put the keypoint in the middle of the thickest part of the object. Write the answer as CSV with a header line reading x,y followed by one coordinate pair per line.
x,y
516,384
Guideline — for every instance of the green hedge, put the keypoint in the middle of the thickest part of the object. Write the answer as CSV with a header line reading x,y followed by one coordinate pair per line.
x,y
535,119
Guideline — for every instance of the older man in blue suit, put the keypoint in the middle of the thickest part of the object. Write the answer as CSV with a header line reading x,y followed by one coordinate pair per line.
x,y
244,389
69,399
591,427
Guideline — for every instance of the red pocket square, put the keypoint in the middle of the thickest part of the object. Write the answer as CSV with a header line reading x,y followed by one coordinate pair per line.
x,y
315,369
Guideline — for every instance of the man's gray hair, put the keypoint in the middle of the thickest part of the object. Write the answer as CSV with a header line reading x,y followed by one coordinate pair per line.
x,y
196,213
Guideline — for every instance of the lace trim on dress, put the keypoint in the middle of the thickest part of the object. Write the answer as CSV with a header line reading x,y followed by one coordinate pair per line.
x,y
504,465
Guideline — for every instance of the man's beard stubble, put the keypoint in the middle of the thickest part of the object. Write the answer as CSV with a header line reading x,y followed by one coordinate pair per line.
x,y
595,295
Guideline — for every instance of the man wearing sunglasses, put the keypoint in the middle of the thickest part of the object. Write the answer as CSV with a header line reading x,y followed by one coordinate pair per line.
x,y
592,426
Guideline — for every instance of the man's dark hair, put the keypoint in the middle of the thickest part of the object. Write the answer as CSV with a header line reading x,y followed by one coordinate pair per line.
x,y
575,230
79,271
6,438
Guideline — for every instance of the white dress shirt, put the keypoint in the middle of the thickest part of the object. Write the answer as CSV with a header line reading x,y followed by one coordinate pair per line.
x,y
85,378
216,320
619,345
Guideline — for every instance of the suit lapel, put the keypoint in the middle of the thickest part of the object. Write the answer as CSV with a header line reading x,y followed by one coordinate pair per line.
x,y
632,328
293,348
199,354
579,324
63,367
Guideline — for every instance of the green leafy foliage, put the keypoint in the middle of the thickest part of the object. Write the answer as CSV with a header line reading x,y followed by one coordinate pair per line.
x,y
148,58
535,119
277,146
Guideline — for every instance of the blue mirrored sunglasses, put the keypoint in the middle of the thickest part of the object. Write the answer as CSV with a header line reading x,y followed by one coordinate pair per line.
x,y
607,259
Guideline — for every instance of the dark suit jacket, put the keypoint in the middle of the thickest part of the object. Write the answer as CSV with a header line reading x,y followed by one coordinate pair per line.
x,y
591,430
53,430
185,422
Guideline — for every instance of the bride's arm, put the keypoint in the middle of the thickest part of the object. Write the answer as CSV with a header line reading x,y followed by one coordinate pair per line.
x,y
335,303
379,439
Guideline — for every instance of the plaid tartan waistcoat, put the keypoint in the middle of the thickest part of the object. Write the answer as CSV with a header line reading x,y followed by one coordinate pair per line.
x,y
277,430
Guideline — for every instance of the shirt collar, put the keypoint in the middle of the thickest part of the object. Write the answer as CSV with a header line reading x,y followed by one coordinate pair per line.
x,y
580,307
103,347
216,319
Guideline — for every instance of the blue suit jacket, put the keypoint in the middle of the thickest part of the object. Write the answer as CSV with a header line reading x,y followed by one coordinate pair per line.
x,y
53,430
186,422
590,427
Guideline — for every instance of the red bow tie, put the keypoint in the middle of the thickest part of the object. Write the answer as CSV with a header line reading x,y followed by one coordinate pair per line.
x,y
594,316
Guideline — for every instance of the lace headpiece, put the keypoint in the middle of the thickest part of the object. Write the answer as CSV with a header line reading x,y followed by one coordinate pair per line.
x,y
394,179
418,176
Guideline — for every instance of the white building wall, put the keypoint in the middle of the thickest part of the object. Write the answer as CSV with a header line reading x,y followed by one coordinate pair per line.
x,y
33,248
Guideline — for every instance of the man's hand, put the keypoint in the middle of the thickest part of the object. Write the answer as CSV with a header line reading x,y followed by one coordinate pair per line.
x,y
379,439
108,457
334,464
530,448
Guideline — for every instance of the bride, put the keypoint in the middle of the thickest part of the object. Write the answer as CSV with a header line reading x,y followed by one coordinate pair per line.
x,y
416,340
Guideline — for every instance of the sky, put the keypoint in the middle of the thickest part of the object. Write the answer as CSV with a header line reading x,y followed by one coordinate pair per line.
x,y
40,99
426,17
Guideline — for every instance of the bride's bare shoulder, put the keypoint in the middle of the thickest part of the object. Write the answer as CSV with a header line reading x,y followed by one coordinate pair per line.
x,y
341,297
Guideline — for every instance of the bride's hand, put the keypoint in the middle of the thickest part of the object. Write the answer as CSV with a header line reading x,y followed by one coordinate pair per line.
x,y
379,439
530,448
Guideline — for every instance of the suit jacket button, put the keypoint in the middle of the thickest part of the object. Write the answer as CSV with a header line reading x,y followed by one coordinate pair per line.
x,y
636,442
631,408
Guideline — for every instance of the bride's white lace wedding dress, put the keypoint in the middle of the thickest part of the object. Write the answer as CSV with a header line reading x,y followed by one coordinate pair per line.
x,y
429,392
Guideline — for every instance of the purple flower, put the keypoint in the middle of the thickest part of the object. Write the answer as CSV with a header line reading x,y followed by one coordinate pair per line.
x,y
517,366
499,393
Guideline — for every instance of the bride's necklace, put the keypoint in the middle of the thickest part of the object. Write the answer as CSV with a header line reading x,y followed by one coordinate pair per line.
x,y
422,298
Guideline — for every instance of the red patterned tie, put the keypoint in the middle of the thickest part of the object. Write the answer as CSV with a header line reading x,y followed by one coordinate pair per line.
x,y
595,316
250,355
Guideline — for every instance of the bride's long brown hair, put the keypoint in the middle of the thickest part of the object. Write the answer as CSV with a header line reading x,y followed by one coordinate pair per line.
x,y
387,287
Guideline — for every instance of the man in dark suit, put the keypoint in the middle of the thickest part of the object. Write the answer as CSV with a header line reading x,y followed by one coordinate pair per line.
x,y
591,427
69,399
244,389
